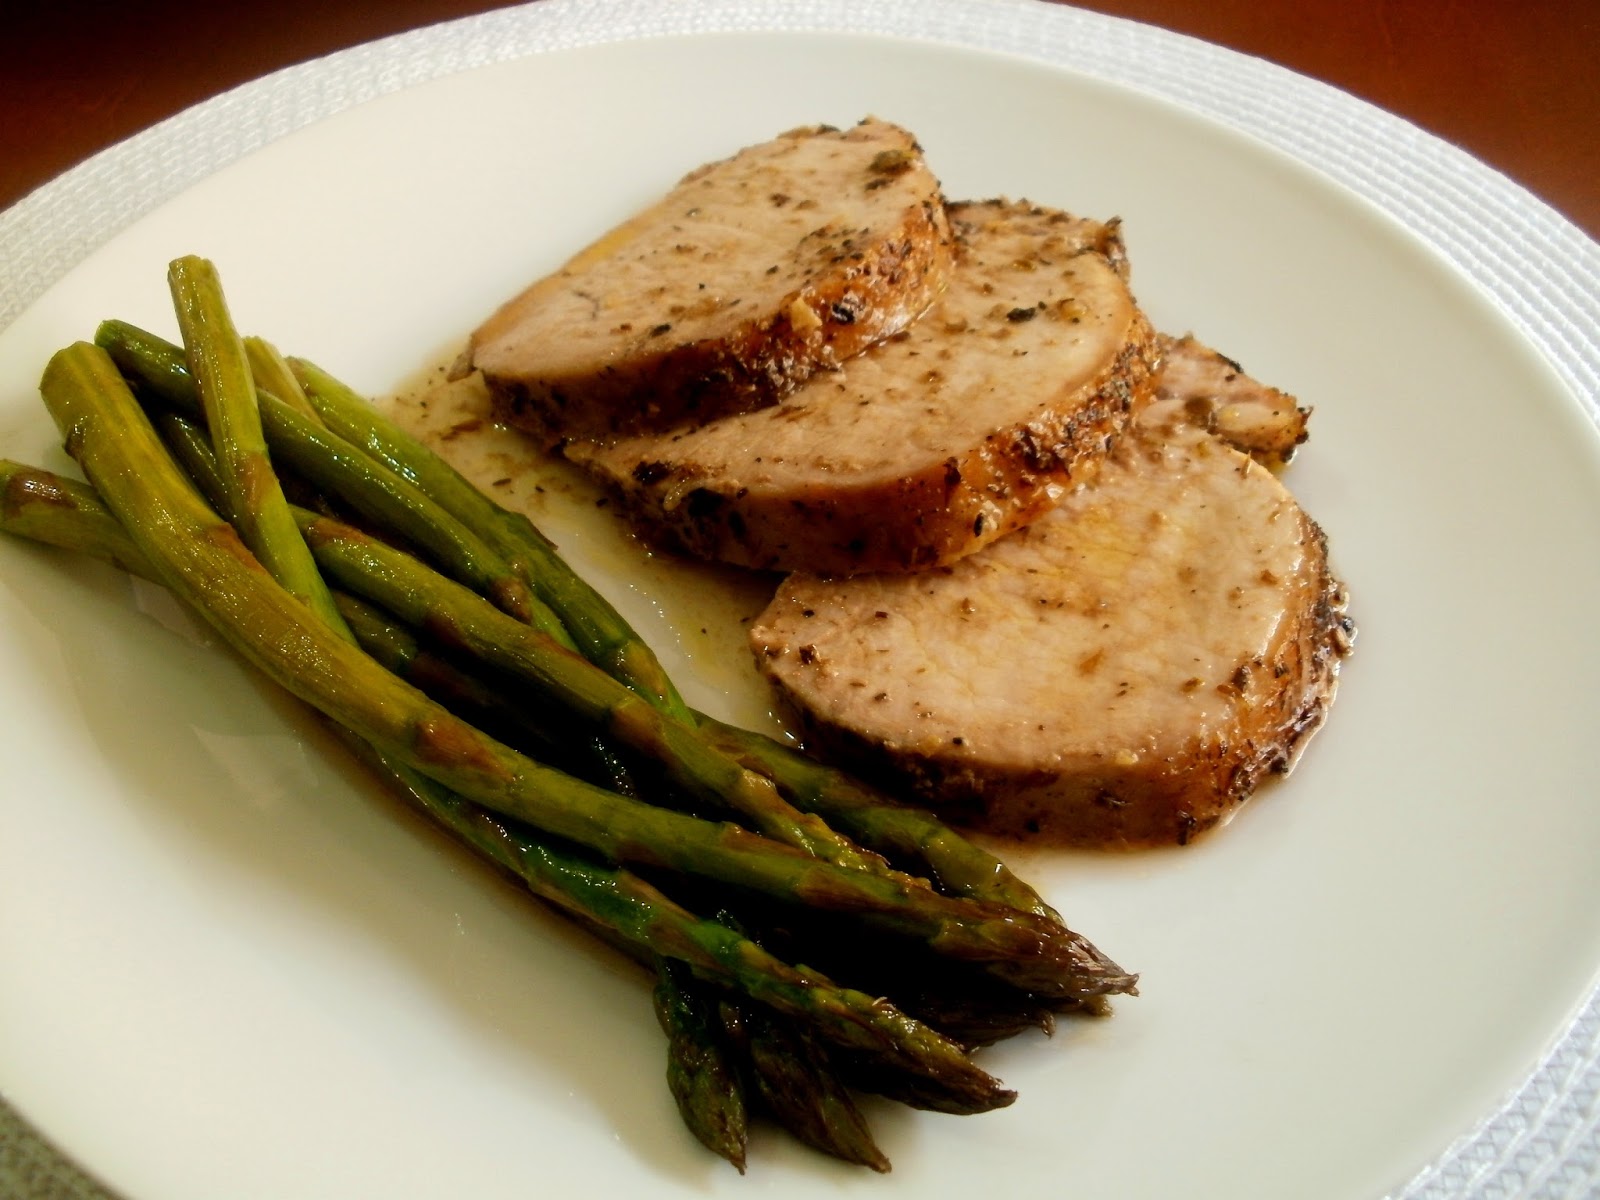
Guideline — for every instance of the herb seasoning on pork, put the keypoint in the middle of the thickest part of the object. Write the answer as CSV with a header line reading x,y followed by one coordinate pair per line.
x,y
743,281
930,445
1123,672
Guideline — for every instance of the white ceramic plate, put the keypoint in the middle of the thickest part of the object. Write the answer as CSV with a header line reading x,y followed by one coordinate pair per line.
x,y
227,967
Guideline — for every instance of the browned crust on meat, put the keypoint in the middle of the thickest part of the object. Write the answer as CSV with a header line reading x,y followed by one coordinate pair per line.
x,y
930,517
1124,672
919,452
1079,233
1204,388
860,286
1174,800
858,304
1155,802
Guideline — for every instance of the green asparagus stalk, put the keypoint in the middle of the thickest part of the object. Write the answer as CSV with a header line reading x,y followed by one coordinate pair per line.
x,y
190,548
912,834
459,617
605,638
244,482
586,755
332,464
273,374
791,1073
421,495
701,1074
46,507
643,920
901,833
228,396
394,579
975,1010
897,831
50,508
798,1085
192,448
549,740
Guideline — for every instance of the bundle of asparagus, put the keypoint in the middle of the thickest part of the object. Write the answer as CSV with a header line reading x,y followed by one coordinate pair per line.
x,y
499,694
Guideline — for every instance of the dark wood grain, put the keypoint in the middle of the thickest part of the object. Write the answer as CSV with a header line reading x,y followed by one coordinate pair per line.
x,y
1514,82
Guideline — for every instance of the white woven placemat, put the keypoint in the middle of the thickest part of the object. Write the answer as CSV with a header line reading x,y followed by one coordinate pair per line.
x,y
1543,1143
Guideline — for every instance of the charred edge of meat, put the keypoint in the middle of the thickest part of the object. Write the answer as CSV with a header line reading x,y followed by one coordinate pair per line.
x,y
938,515
1101,809
762,362
1105,240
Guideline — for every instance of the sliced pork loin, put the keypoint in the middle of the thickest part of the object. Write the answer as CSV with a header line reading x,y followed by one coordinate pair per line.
x,y
1198,386
1120,673
930,445
749,276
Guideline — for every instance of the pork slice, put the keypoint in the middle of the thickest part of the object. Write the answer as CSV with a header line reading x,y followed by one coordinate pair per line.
x,y
1123,672
930,445
1199,386
749,276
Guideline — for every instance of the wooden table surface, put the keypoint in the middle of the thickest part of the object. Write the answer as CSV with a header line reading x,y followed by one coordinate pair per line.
x,y
1514,82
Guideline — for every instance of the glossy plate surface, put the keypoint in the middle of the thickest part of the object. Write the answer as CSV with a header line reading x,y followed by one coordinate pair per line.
x,y
227,967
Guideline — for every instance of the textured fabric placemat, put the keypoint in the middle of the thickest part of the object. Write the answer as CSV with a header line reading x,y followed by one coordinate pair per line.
x,y
1539,269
